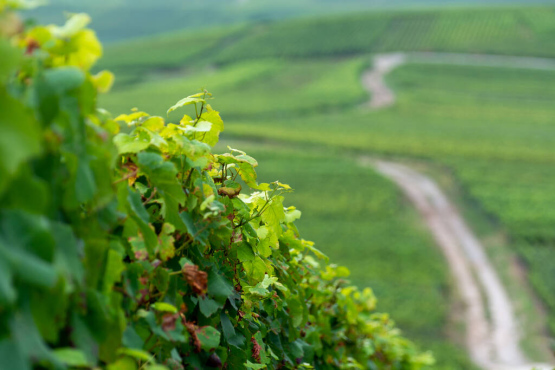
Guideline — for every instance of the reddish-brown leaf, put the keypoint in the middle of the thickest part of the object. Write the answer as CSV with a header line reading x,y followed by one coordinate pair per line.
x,y
169,320
197,279
255,350
191,328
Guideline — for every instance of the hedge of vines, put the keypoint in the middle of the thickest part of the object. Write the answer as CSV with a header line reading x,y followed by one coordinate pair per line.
x,y
126,243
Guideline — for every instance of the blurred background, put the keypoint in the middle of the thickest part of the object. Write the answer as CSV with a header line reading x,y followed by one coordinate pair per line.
x,y
470,101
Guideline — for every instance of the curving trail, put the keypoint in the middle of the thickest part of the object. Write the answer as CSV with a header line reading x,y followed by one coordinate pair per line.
x,y
373,79
492,330
493,344
382,96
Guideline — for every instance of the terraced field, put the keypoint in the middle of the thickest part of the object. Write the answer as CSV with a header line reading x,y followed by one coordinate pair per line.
x,y
298,82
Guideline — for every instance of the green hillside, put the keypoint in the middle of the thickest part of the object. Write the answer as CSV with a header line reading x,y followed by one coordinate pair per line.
x,y
298,82
124,19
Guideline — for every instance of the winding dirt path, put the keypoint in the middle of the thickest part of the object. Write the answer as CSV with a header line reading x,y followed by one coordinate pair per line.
x,y
492,340
492,330
373,79
381,96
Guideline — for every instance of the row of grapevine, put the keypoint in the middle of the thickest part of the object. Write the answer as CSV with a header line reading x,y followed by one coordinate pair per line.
x,y
126,243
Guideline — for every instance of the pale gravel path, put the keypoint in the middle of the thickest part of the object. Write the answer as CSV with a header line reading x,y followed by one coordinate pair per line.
x,y
373,79
492,345
381,96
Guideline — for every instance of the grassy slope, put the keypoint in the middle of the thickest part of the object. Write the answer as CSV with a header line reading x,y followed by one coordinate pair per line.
x,y
492,126
517,31
124,19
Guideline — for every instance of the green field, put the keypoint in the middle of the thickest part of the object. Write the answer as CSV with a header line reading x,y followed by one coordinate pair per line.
x,y
298,82
124,19
512,31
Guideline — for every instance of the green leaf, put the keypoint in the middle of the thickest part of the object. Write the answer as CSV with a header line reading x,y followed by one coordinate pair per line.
x,y
243,211
27,192
103,81
250,365
136,353
186,101
201,126
212,137
161,279
156,367
139,214
20,137
29,341
113,270
8,293
261,289
85,184
292,215
76,23
218,286
274,214
71,357
162,174
230,335
296,311
64,79
11,357
208,306
9,61
31,269
124,363
245,253
166,249
131,144
209,337
164,307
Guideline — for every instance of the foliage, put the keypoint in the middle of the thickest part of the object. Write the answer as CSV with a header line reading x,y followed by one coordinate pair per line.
x,y
126,243
388,249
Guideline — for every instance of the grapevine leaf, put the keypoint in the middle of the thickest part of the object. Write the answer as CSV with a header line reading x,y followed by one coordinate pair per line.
x,y
11,356
209,337
186,101
114,268
164,307
250,365
230,335
154,124
219,287
244,253
74,24
274,215
201,126
19,137
7,291
72,357
136,353
166,250
208,306
87,49
131,144
64,79
139,214
10,59
162,174
103,81
211,138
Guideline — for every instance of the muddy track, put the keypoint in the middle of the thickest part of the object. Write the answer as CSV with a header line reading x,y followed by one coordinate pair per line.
x,y
492,329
